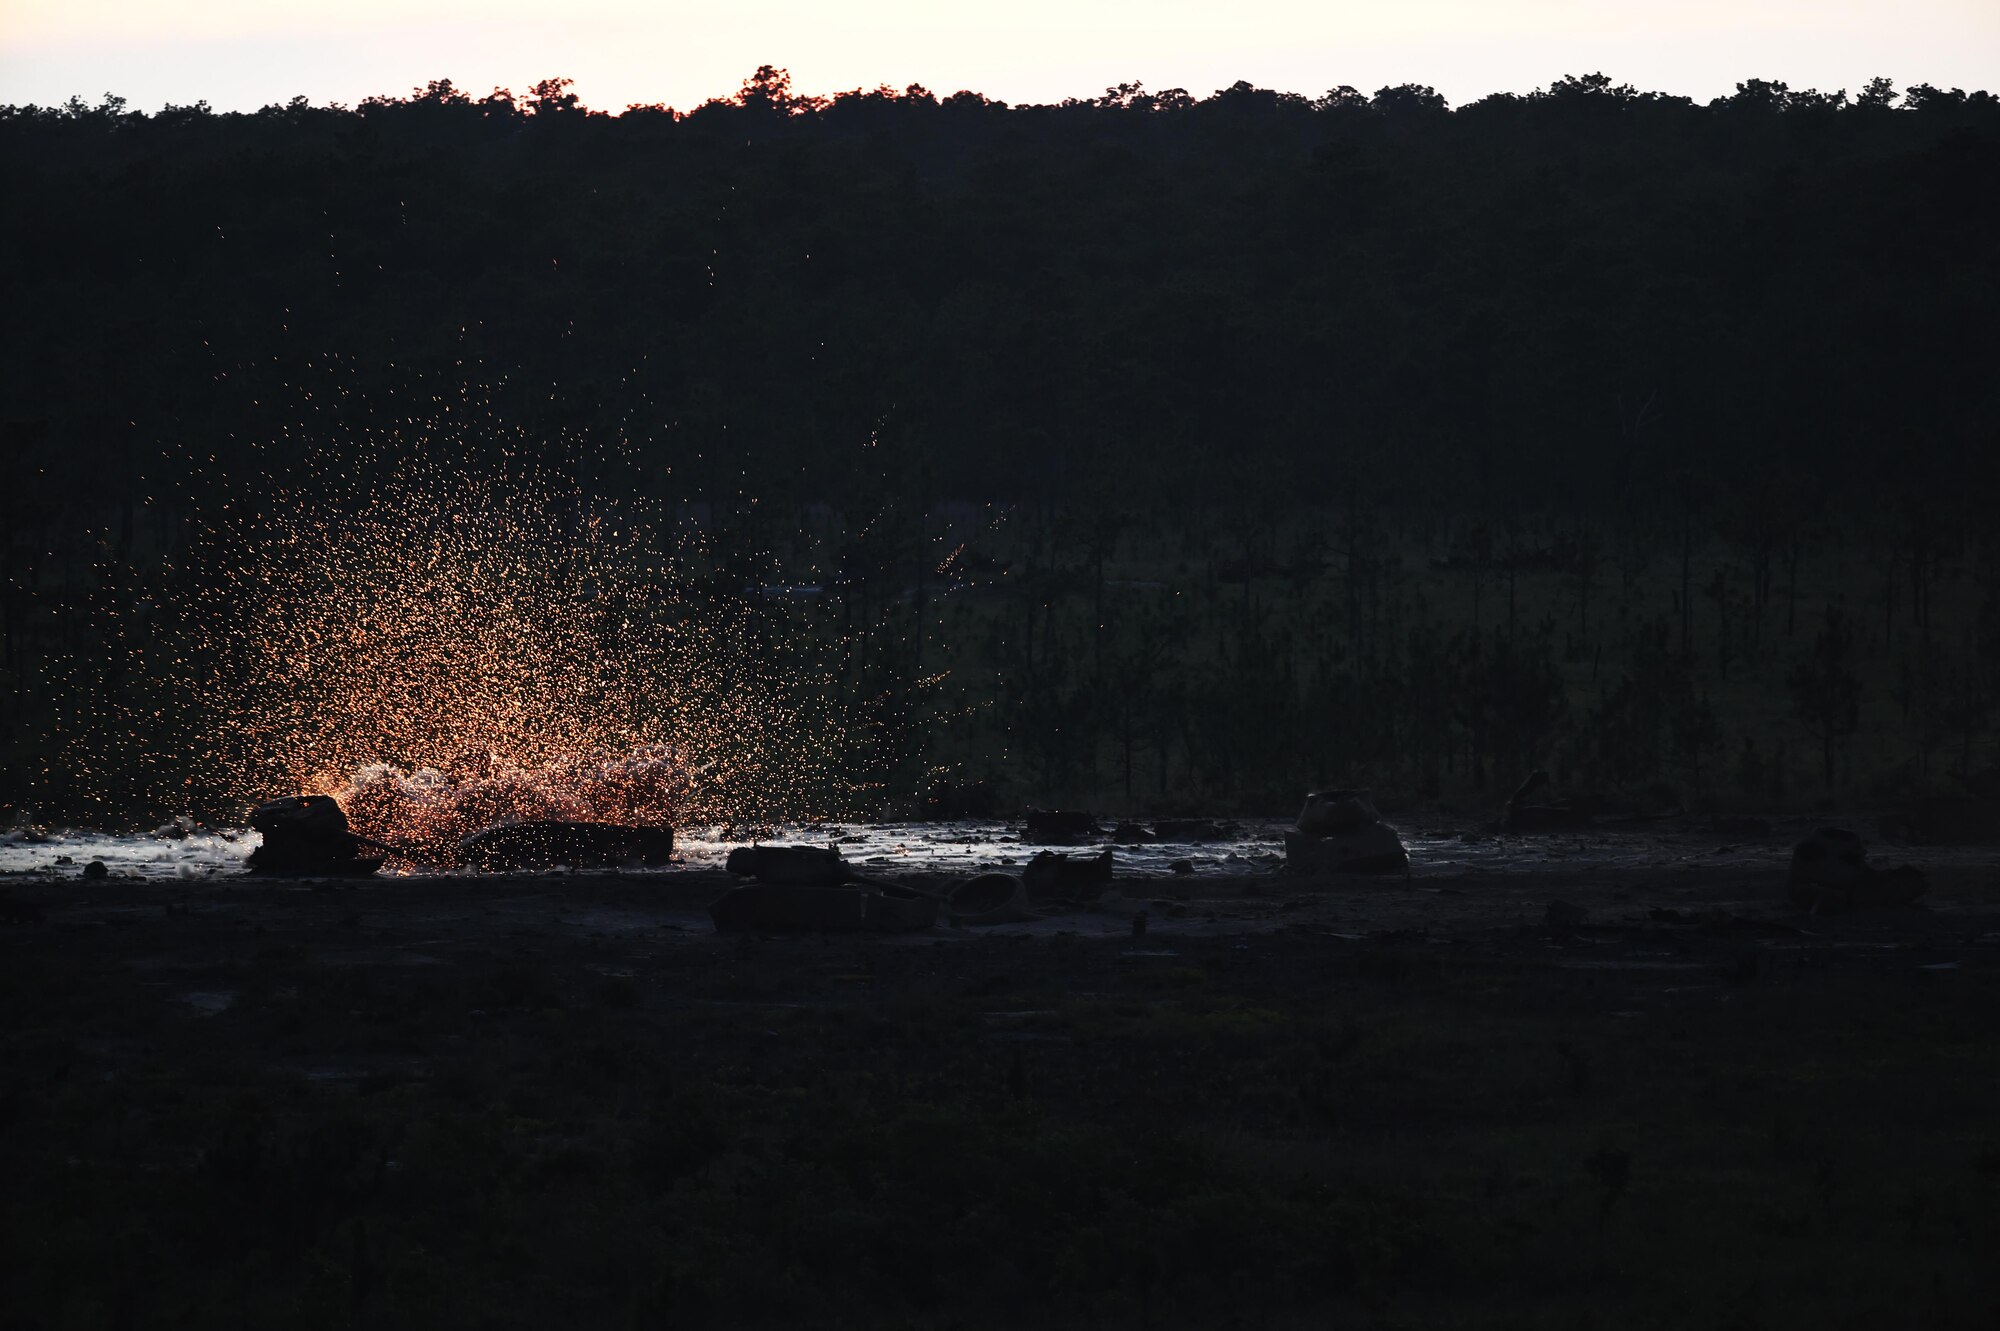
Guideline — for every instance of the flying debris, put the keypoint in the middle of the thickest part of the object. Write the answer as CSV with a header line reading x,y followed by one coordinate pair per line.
x,y
448,637
512,847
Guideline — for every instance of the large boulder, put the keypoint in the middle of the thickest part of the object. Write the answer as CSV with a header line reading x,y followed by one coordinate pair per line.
x,y
1830,872
895,909
1192,829
1059,876
813,888
791,866
525,847
300,818
1329,811
1058,827
1339,831
1372,849
989,898
308,836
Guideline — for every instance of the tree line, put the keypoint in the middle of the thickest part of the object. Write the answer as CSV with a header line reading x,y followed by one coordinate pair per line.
x,y
1589,426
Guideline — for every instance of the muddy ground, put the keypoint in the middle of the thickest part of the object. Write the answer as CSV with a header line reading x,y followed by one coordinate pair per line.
x,y
501,1102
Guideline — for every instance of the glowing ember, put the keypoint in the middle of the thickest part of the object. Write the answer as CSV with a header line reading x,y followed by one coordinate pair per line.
x,y
443,649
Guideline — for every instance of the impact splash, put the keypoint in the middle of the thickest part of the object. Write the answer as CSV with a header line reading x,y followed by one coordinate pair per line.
x,y
425,813
444,647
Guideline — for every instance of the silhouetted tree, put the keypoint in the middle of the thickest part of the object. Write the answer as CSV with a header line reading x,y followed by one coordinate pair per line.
x,y
1826,692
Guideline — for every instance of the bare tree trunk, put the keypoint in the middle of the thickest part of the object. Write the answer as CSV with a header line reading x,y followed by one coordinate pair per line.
x,y
1890,582
1792,587
1353,569
1687,573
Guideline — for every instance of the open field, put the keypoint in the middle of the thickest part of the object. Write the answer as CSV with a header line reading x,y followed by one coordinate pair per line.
x,y
500,1102
875,469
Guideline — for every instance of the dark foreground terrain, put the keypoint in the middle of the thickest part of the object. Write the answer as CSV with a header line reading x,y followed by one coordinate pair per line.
x,y
567,1102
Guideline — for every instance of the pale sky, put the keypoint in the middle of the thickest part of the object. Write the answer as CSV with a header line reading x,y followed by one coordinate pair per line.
x,y
242,54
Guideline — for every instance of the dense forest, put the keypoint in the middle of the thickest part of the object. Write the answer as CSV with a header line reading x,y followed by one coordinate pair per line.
x,y
1182,452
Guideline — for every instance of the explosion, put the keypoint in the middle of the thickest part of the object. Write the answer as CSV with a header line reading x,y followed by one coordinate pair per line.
x,y
426,812
446,648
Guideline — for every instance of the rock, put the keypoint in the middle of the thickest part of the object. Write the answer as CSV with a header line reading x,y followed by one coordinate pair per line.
x,y
1056,827
1131,834
308,835
812,887
1181,867
791,866
989,898
1339,831
1904,885
896,910
300,815
1563,916
1052,875
1330,811
1188,829
1830,872
1832,857
96,869
519,847
1375,849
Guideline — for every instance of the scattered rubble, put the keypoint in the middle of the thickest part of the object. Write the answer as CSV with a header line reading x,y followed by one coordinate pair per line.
x,y
1057,827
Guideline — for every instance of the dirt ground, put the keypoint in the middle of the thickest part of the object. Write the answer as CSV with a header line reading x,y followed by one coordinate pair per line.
x,y
1430,1102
